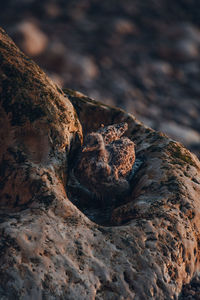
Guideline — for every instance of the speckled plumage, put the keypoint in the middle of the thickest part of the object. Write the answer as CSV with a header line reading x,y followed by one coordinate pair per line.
x,y
111,133
105,162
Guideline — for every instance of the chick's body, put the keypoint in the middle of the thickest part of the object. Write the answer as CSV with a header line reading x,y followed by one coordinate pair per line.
x,y
106,161
121,156
111,133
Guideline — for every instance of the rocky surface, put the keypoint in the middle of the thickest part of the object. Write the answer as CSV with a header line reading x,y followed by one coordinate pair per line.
x,y
53,244
191,291
142,56
38,125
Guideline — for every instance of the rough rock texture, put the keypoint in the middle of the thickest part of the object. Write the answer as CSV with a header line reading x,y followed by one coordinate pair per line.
x,y
38,124
191,291
53,245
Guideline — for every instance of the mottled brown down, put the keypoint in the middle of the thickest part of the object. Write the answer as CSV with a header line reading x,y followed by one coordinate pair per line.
x,y
105,162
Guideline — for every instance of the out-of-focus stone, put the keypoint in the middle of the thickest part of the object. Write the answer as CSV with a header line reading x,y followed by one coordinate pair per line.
x,y
52,10
29,38
89,68
186,49
162,67
125,26
191,32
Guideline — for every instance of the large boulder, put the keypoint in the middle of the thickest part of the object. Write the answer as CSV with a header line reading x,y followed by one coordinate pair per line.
x,y
55,246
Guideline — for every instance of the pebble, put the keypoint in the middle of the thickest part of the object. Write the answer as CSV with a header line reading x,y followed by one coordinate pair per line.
x,y
29,38
186,49
124,26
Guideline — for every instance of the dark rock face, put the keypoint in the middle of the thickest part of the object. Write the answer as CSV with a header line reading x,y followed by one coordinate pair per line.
x,y
53,245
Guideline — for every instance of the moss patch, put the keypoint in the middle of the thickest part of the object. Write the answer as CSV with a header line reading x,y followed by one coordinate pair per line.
x,y
180,155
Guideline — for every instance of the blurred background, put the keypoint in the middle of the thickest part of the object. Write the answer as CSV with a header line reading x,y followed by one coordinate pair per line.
x,y
142,56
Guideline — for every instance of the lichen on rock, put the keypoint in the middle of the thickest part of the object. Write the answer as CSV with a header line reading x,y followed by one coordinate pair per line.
x,y
143,246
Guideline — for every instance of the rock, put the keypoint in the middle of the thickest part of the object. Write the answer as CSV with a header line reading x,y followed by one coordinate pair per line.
x,y
52,10
192,290
186,49
29,38
191,32
89,68
38,125
152,202
161,67
86,66
143,246
125,26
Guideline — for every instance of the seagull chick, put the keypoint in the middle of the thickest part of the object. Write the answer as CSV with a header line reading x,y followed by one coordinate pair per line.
x,y
105,162
112,132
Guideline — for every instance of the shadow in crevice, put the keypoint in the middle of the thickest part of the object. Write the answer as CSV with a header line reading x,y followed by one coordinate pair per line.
x,y
191,290
100,211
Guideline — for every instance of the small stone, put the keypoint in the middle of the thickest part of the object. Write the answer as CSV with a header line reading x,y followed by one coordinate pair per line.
x,y
125,26
53,10
89,67
187,49
162,67
29,38
191,32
